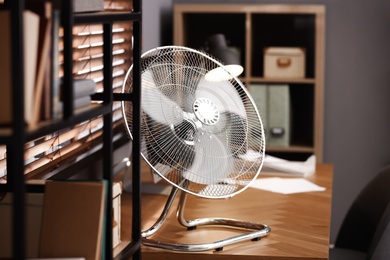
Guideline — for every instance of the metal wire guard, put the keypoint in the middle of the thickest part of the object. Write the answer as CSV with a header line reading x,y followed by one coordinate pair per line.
x,y
197,127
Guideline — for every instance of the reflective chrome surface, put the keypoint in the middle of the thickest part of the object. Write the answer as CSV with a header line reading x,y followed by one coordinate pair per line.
x,y
258,230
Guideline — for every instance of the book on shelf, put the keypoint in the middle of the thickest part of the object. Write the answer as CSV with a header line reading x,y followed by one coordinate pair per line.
x,y
273,103
41,101
279,119
81,6
81,102
116,213
81,88
38,66
59,258
30,49
55,53
3,172
259,95
77,103
34,203
73,219
82,91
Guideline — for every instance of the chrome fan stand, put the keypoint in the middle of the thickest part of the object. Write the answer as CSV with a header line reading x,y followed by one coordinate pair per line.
x,y
260,230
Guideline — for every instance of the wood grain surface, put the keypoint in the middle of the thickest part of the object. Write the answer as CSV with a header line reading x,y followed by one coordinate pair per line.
x,y
300,223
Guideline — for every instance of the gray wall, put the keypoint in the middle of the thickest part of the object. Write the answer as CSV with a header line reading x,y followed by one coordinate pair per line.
x,y
357,87
157,23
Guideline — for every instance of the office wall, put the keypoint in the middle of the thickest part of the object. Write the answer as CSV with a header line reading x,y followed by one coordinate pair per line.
x,y
157,23
357,87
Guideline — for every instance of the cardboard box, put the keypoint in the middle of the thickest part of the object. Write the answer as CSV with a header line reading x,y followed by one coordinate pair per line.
x,y
284,62
34,208
73,219
116,212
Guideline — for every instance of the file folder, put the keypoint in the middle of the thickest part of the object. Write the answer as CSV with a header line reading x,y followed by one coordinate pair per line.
x,y
259,95
279,122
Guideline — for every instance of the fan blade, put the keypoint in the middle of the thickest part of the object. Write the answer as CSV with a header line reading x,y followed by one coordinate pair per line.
x,y
223,94
169,145
213,161
157,105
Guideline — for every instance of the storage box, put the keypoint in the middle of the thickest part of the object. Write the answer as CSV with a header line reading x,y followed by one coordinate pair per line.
x,y
116,212
34,207
284,62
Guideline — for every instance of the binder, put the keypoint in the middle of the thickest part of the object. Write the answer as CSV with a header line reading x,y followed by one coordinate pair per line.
x,y
73,219
279,122
259,96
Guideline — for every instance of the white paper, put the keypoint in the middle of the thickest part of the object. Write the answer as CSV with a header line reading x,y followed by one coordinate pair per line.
x,y
285,185
278,166
281,167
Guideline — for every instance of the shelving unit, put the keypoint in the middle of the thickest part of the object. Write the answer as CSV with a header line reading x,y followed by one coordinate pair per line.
x,y
17,135
252,27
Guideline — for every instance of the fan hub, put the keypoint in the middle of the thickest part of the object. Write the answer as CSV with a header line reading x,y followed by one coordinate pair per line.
x,y
206,111
186,131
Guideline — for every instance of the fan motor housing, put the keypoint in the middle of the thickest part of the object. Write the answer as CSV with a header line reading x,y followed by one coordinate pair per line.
x,y
206,111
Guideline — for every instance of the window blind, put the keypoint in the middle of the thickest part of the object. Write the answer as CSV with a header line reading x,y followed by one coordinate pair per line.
x,y
48,152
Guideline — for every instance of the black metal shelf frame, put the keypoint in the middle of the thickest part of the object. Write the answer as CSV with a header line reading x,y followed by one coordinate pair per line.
x,y
19,136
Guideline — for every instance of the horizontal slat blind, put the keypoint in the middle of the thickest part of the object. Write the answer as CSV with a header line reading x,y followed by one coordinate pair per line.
x,y
48,152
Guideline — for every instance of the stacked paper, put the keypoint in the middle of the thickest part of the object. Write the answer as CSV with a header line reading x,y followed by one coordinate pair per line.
x,y
277,166
286,185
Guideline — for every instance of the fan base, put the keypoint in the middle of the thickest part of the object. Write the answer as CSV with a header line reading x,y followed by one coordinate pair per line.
x,y
258,230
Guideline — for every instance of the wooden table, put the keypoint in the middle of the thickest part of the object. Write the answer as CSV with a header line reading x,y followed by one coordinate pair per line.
x,y
300,223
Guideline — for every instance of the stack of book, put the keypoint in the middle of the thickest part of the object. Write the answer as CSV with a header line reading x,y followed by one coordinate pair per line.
x,y
37,23
82,91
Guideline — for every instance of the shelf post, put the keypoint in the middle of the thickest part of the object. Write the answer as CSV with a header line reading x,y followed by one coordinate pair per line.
x,y
136,158
107,133
67,84
15,152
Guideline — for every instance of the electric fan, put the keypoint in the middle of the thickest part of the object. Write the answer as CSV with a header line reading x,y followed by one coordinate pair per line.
x,y
201,132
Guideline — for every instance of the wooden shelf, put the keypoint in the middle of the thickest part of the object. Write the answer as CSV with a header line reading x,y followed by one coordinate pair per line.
x,y
275,80
291,149
17,135
250,28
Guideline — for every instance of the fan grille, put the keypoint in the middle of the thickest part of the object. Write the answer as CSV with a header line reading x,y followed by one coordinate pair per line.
x,y
200,131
